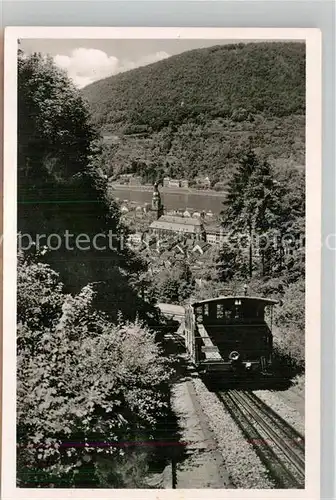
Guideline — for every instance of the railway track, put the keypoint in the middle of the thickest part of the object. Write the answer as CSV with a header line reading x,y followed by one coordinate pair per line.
x,y
279,446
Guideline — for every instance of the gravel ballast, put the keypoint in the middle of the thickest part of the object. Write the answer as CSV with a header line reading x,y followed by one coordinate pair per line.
x,y
203,465
242,463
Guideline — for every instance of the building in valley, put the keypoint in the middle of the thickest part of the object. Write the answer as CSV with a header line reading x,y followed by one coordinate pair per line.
x,y
134,239
202,182
174,183
215,234
201,248
167,225
183,224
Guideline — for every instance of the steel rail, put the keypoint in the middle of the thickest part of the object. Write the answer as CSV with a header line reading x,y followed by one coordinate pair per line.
x,y
282,477
243,411
292,434
275,434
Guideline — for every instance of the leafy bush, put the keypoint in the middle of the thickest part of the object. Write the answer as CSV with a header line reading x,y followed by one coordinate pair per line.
x,y
174,285
87,389
290,320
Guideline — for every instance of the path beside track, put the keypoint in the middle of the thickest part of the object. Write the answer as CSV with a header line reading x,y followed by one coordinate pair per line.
x,y
203,466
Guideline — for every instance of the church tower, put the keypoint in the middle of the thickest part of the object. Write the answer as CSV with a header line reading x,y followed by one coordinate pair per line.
x,y
157,206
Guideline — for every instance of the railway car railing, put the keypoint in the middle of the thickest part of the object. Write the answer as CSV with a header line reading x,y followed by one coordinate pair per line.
x,y
208,348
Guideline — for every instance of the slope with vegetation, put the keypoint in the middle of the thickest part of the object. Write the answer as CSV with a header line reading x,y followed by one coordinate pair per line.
x,y
62,191
88,390
192,114
91,378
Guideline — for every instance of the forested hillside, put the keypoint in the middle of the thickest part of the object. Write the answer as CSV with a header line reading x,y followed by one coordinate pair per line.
x,y
89,368
192,114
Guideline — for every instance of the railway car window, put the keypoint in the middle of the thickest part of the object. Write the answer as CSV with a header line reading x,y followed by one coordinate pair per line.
x,y
229,314
239,313
220,311
206,310
268,314
199,314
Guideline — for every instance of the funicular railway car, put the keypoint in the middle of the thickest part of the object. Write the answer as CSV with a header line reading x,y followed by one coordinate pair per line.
x,y
230,335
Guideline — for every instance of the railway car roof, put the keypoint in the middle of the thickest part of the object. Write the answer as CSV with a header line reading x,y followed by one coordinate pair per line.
x,y
260,300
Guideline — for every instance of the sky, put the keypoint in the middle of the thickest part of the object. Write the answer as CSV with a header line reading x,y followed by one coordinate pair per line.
x,y
87,61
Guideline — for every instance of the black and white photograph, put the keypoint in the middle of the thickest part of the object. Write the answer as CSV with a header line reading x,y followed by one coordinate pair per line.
x,y
162,318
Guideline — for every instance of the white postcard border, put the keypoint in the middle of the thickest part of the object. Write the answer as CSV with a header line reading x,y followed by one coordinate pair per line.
x,y
313,253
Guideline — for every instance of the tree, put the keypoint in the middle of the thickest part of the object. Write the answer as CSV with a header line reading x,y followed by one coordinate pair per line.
x,y
176,284
62,192
59,184
217,265
261,199
290,319
259,208
235,200
54,130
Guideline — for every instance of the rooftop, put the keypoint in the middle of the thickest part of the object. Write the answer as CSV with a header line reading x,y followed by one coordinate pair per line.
x,y
176,223
214,229
203,245
180,220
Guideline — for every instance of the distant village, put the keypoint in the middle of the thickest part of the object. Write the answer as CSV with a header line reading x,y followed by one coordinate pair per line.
x,y
201,182
164,237
170,234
